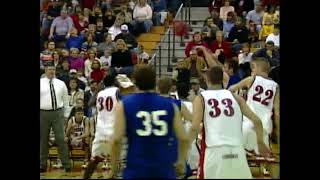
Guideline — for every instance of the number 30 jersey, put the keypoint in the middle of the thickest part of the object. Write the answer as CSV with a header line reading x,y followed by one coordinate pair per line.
x,y
106,103
222,119
149,129
260,99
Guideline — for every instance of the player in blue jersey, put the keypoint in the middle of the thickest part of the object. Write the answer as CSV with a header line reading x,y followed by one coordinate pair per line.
x,y
151,123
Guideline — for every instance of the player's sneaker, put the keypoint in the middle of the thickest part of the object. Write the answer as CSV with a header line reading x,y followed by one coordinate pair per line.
x,y
85,164
58,164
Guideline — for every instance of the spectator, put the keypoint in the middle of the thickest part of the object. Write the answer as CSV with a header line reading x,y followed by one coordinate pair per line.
x,y
79,104
89,43
159,12
275,74
74,41
245,55
231,68
121,59
221,48
195,89
228,24
196,41
270,53
243,6
107,44
63,74
97,13
61,27
56,60
80,22
206,37
128,38
75,61
255,16
46,55
88,63
105,5
106,58
214,5
83,83
275,36
86,14
127,15
108,18
73,74
54,9
143,57
238,35
216,19
74,92
89,4
181,73
142,15
267,23
210,27
114,30
224,10
97,73
195,64
87,95
100,31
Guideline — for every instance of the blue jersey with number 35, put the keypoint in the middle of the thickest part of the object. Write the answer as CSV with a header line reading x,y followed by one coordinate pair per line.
x,y
149,128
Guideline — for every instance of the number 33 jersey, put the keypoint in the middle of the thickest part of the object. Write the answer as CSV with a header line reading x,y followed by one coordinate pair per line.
x,y
106,103
149,128
222,119
260,99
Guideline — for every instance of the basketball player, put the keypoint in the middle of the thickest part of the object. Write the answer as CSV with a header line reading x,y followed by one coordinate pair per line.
x,y
150,122
164,86
220,111
106,101
263,98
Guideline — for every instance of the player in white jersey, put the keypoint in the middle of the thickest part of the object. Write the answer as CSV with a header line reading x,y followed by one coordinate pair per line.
x,y
106,102
263,98
222,152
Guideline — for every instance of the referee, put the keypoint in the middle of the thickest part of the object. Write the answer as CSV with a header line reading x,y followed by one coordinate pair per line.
x,y
53,99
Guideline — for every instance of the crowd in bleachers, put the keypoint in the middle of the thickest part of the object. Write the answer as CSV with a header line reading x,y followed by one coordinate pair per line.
x,y
235,32
87,38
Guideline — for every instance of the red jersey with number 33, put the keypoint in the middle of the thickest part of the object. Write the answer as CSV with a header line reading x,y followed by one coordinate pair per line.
x,y
222,118
260,99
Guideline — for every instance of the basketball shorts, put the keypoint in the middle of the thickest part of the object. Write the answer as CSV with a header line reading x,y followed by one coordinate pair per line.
x,y
224,162
250,140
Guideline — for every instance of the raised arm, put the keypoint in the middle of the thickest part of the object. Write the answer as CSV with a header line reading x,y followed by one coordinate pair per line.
x,y
245,83
276,108
198,109
263,149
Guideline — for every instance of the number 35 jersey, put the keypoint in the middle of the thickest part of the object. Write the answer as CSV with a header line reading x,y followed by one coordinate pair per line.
x,y
222,119
106,103
149,128
260,100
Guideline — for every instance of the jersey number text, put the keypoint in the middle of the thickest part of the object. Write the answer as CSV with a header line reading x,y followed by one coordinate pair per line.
x,y
216,111
108,104
257,97
149,120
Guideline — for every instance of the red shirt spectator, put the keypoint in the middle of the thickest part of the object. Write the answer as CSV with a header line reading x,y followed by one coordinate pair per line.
x,y
219,43
88,4
79,22
97,73
197,41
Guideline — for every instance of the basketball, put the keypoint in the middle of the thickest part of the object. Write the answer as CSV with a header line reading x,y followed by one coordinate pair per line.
x,y
180,28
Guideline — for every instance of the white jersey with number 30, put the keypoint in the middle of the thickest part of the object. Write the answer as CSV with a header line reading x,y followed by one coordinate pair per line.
x,y
260,100
222,118
106,103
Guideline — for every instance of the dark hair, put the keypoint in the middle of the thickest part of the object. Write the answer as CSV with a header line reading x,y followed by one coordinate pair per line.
x,y
270,43
145,77
164,85
215,75
78,109
232,64
183,90
270,7
73,79
110,79
277,26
